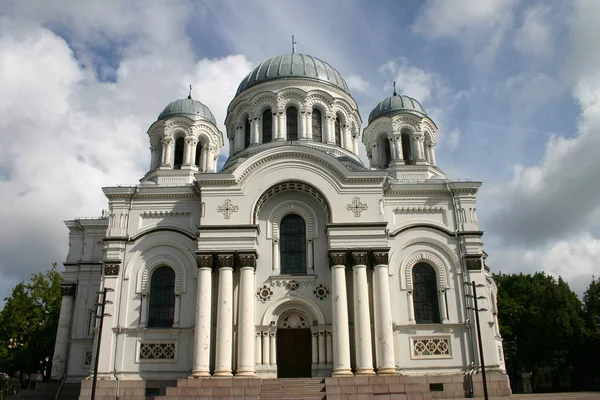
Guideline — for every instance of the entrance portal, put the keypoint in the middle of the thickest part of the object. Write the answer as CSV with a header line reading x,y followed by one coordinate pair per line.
x,y
294,356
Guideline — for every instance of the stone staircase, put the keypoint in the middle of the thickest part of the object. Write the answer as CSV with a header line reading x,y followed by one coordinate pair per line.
x,y
296,388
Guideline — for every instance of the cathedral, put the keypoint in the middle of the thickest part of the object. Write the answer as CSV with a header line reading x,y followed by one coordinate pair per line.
x,y
293,260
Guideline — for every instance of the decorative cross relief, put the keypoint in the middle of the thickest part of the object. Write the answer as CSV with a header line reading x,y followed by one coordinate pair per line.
x,y
356,206
227,208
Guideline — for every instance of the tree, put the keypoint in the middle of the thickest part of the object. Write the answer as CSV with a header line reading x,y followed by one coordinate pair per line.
x,y
28,325
541,321
591,348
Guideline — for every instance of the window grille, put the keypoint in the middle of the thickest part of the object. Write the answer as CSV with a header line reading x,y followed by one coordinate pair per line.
x,y
425,294
338,132
317,126
293,245
162,298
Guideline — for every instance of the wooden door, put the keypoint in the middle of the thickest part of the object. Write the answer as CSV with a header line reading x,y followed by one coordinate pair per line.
x,y
294,356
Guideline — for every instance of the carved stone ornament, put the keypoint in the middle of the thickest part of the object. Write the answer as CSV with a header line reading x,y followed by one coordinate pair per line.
x,y
225,260
321,292
227,209
356,206
292,285
473,264
359,258
380,257
67,290
111,269
264,293
204,260
247,260
337,258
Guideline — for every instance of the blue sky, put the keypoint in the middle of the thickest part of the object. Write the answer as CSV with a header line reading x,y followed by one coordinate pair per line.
x,y
514,87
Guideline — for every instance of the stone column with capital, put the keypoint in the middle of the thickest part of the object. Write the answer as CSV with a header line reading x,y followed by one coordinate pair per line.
x,y
330,123
281,127
246,326
167,144
384,334
340,329
187,152
211,165
224,334
397,147
362,317
200,366
63,333
419,147
254,136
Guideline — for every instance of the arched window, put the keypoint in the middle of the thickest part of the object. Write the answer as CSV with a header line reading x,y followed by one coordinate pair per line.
x,y
317,126
267,126
425,294
291,116
247,133
178,160
198,156
161,308
406,148
387,149
292,245
338,132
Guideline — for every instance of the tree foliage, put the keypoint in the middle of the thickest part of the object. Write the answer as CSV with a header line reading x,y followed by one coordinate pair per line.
x,y
545,325
28,325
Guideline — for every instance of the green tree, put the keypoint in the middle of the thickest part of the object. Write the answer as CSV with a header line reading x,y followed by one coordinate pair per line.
x,y
591,348
28,325
541,321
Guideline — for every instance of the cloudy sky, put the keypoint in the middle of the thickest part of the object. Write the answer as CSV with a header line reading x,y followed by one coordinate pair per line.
x,y
514,87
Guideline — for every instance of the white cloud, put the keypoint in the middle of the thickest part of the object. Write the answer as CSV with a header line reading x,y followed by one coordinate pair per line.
x,y
357,84
66,134
534,36
441,18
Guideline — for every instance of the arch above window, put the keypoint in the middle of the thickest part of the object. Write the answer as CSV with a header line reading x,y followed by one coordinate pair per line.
x,y
432,260
293,207
156,262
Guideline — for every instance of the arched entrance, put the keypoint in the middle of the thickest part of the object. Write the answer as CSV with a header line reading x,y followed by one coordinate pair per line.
x,y
293,346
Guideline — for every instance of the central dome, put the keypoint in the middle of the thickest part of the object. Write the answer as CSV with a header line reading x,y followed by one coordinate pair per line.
x,y
293,66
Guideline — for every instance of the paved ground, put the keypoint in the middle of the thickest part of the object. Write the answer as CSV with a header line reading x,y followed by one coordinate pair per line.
x,y
544,396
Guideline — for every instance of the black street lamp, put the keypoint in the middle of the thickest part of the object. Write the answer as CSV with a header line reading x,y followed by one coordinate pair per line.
x,y
481,360
100,316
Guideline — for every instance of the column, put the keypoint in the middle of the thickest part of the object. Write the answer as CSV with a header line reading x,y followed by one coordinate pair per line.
x,y
355,144
309,257
273,350
330,132
362,318
309,125
340,330
167,145
443,309
384,334
432,154
154,161
322,354
315,347
281,128
210,162
397,146
328,344
375,156
275,127
203,158
187,150
266,347
254,137
301,124
419,142
346,138
258,348
275,256
200,367
224,334
411,306
63,333
246,326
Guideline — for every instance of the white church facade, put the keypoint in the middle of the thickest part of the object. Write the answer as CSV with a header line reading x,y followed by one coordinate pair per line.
x,y
294,259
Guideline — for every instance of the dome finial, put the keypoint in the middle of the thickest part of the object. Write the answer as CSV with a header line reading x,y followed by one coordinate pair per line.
x,y
395,94
190,93
293,45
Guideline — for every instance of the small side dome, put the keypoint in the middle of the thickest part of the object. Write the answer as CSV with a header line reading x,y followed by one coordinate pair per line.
x,y
396,104
190,108
293,66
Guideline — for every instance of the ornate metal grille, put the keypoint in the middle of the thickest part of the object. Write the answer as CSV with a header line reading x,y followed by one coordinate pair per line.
x,y
317,126
291,116
425,295
293,245
267,126
87,360
157,351
162,298
338,132
431,347
247,133
179,144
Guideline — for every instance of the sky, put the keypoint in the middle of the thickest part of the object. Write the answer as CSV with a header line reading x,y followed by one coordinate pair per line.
x,y
514,88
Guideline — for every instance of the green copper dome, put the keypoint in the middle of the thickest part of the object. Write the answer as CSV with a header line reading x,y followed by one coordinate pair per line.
x,y
293,66
190,108
396,104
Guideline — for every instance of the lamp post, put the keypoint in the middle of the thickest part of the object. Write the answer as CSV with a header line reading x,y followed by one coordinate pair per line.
x,y
482,362
100,316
